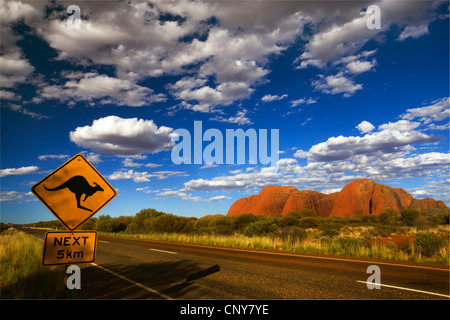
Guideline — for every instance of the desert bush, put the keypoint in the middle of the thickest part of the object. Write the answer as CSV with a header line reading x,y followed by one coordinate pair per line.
x,y
293,234
355,220
446,218
89,225
305,212
133,228
422,222
309,222
120,224
261,228
288,220
171,223
387,216
221,225
409,216
142,221
330,228
385,230
428,244
350,246
201,225
103,223
369,218
294,217
406,246
241,221
439,219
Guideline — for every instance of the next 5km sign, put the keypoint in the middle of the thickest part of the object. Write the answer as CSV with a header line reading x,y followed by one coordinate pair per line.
x,y
69,247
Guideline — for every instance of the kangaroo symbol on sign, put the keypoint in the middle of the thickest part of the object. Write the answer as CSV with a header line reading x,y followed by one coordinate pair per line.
x,y
79,186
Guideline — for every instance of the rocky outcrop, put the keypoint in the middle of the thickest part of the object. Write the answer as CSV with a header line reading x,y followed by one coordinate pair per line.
x,y
354,198
269,202
365,196
321,203
427,204
359,197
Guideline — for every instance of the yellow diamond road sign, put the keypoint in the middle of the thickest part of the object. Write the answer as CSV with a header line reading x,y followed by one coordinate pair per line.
x,y
74,192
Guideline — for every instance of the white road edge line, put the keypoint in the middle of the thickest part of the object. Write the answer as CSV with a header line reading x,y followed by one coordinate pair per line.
x,y
35,237
408,289
103,241
171,252
162,295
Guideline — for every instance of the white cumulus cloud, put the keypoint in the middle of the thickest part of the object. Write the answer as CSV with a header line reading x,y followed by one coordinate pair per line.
x,y
113,135
101,89
18,171
437,111
365,127
337,84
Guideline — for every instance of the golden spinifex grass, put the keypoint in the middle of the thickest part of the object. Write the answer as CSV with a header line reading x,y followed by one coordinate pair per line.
x,y
22,274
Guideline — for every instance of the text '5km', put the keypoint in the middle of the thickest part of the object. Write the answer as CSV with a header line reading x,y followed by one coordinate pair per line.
x,y
69,247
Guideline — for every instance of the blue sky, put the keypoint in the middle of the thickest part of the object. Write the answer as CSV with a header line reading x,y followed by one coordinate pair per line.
x,y
348,101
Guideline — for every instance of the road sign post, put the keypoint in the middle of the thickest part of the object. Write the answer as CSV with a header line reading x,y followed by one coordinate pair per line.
x,y
74,192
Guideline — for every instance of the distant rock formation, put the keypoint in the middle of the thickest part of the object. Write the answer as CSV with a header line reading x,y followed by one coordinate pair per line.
x,y
269,202
365,196
321,203
359,197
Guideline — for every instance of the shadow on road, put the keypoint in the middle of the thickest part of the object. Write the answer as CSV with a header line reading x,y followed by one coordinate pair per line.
x,y
174,279
172,291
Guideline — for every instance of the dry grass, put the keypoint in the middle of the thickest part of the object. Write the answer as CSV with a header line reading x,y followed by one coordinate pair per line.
x,y
22,274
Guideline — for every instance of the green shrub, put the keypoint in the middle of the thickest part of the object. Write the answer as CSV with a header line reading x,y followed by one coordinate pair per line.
x,y
309,222
406,246
305,212
354,220
103,223
288,220
428,244
330,228
368,218
387,229
171,223
439,219
142,221
133,228
422,222
293,234
387,216
201,225
350,245
446,218
261,228
221,225
241,221
409,216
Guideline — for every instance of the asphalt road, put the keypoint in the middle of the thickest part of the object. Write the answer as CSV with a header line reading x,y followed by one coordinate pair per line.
x,y
144,269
